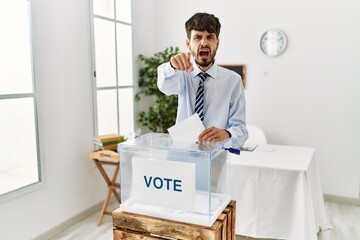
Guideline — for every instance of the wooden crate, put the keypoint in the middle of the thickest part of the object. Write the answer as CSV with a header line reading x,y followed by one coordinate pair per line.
x,y
135,226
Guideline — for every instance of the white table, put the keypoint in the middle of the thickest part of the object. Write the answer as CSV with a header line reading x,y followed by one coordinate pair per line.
x,y
278,193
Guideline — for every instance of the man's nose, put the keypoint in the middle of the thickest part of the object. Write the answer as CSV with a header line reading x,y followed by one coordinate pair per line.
x,y
204,42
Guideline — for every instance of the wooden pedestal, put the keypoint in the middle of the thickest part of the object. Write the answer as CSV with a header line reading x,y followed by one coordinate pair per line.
x,y
135,226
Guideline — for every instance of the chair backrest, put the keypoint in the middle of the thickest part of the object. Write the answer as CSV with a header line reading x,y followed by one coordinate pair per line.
x,y
256,135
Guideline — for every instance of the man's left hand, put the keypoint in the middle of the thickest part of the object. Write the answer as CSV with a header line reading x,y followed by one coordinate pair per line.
x,y
213,134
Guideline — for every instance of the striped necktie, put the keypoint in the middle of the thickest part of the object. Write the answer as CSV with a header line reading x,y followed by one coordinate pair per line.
x,y
199,100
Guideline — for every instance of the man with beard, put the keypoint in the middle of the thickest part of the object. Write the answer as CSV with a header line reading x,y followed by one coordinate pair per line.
x,y
214,92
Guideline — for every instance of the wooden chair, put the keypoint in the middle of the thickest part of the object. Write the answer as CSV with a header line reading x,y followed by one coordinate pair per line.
x,y
107,157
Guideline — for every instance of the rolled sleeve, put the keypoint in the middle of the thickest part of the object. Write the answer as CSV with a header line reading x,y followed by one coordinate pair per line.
x,y
237,116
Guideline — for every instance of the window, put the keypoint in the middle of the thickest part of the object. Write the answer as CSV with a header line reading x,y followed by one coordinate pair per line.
x,y
113,66
19,151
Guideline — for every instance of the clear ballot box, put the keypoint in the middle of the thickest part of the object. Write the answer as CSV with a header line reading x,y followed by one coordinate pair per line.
x,y
186,182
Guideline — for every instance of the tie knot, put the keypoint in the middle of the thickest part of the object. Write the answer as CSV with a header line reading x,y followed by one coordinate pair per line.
x,y
203,76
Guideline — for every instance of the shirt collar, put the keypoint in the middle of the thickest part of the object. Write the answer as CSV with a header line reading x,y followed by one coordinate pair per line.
x,y
212,71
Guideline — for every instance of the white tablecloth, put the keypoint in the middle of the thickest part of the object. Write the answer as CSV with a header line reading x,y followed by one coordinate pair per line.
x,y
278,193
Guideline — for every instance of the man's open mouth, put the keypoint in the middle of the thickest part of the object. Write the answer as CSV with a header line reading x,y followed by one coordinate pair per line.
x,y
204,53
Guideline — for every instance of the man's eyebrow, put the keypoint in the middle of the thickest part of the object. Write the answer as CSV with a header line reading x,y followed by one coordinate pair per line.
x,y
197,35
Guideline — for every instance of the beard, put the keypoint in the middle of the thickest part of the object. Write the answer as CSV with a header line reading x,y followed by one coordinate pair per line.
x,y
205,62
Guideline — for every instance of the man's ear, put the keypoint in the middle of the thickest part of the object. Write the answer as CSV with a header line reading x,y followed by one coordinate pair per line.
x,y
188,43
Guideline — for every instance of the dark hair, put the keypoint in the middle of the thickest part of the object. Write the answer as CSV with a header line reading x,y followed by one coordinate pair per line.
x,y
203,22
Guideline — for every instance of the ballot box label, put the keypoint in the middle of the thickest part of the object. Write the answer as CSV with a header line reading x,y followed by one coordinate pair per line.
x,y
162,183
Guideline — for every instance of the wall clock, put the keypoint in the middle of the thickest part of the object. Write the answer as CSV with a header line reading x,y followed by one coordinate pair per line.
x,y
273,42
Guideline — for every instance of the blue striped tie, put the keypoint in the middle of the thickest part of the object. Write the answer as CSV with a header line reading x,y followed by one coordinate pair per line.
x,y
199,100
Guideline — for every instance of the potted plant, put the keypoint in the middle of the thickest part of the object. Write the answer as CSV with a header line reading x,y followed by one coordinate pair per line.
x,y
162,114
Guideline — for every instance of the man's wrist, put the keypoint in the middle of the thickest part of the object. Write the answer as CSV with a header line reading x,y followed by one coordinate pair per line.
x,y
172,65
228,133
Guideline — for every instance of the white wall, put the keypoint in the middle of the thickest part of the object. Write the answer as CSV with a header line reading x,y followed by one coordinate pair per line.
x,y
309,95
143,43
63,72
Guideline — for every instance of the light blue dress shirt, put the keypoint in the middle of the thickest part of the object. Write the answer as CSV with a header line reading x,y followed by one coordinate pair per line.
x,y
224,102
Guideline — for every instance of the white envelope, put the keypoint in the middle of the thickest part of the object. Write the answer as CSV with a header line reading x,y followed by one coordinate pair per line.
x,y
187,130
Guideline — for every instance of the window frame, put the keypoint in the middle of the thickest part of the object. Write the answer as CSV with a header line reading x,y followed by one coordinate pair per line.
x,y
117,87
33,95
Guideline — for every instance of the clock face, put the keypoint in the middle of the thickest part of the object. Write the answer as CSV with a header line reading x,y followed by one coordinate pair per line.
x,y
273,42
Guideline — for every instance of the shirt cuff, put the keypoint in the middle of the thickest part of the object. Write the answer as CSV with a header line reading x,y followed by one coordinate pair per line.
x,y
169,70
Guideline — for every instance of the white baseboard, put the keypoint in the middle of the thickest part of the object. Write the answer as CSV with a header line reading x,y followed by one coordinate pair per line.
x,y
72,221
342,200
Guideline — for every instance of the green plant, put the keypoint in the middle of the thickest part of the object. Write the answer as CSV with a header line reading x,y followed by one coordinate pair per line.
x,y
162,114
